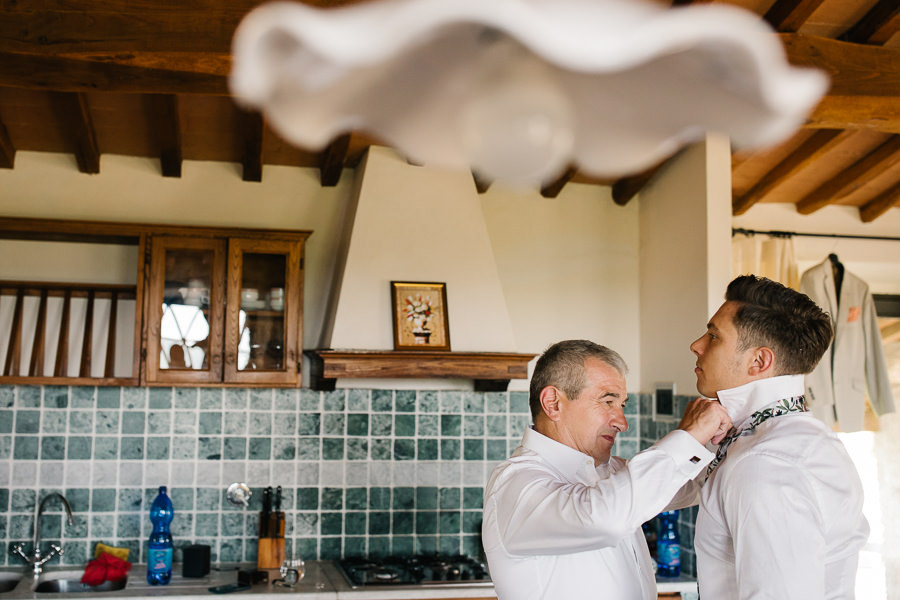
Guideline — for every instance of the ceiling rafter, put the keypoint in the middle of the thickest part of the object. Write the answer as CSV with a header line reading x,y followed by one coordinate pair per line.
x,y
75,119
790,15
877,26
331,160
815,146
7,149
481,184
852,178
251,138
165,123
627,188
879,205
553,188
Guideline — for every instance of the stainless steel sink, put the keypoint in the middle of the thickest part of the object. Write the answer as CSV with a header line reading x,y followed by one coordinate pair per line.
x,y
69,586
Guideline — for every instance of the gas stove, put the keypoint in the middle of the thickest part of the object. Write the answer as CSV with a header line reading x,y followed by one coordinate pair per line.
x,y
416,570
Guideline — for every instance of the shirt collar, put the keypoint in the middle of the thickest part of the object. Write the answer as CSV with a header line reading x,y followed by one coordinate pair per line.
x,y
567,460
744,400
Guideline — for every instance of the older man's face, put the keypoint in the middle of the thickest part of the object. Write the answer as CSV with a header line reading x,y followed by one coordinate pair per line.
x,y
590,422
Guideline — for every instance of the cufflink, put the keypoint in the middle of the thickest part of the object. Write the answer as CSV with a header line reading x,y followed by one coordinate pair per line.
x,y
695,459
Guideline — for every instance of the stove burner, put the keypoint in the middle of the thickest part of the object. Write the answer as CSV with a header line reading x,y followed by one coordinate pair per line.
x,y
413,570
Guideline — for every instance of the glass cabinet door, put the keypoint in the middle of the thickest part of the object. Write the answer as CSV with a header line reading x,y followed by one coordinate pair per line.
x,y
262,331
185,310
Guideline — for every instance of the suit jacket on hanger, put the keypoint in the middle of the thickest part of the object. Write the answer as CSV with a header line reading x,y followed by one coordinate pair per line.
x,y
836,389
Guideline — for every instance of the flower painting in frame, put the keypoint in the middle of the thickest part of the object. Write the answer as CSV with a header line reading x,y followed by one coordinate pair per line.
x,y
420,316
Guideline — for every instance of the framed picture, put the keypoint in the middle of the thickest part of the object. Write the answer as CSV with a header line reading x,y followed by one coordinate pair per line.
x,y
420,316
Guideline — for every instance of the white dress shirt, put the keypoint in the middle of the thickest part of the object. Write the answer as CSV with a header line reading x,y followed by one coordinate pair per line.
x,y
781,515
558,528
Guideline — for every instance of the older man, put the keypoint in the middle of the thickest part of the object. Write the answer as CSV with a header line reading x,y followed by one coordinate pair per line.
x,y
781,514
562,519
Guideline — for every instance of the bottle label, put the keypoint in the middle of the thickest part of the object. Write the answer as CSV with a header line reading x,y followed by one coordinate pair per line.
x,y
668,555
159,560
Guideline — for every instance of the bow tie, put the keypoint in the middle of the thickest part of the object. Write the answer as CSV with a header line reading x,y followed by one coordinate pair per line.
x,y
776,409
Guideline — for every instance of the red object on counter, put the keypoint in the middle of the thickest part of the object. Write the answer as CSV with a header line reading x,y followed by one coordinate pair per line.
x,y
105,568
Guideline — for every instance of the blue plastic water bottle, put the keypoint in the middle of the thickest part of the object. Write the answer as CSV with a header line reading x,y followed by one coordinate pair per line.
x,y
159,554
668,545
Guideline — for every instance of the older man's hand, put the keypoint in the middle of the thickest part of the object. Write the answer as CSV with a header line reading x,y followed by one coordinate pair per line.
x,y
706,420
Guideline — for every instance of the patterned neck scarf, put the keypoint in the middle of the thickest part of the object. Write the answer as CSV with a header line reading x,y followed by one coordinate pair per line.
x,y
776,409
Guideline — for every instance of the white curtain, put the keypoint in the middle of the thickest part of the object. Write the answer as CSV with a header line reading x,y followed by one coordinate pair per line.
x,y
766,256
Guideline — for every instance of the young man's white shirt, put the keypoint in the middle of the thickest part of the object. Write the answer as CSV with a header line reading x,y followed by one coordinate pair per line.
x,y
781,515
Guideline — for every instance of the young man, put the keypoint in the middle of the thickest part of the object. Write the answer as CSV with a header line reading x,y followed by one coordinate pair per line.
x,y
562,519
781,513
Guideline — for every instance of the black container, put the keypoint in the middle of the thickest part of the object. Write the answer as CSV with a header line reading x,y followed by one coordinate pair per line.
x,y
196,561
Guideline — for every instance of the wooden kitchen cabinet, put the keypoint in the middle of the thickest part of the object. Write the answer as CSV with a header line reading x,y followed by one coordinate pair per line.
x,y
224,308
211,306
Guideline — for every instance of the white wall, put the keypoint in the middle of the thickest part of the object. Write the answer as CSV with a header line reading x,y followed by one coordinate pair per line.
x,y
685,257
569,268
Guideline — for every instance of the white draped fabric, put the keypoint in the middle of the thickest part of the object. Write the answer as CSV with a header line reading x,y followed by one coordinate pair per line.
x,y
766,256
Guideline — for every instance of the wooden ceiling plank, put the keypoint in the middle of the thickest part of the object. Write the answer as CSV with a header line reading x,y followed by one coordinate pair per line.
x,y
252,126
856,112
553,188
877,26
627,188
166,126
879,205
61,73
790,15
7,149
75,119
848,180
331,160
808,152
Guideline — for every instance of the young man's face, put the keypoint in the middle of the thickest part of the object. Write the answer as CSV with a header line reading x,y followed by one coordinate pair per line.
x,y
590,422
720,366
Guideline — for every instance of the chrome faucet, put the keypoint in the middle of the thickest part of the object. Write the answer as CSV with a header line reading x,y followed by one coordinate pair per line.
x,y
37,561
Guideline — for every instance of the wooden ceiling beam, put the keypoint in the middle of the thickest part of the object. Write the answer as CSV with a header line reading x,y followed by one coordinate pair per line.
x,y
331,160
877,26
166,125
553,188
75,119
852,178
627,188
251,135
481,184
790,15
808,152
854,69
7,149
879,205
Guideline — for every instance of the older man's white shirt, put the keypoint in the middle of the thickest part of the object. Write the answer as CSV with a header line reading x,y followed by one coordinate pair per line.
x,y
557,527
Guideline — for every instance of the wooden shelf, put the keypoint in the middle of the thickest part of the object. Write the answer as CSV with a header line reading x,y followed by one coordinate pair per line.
x,y
491,371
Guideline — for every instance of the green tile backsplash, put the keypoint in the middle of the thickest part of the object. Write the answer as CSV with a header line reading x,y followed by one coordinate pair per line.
x,y
363,471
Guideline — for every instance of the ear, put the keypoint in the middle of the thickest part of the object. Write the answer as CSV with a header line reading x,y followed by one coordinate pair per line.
x,y
762,362
550,399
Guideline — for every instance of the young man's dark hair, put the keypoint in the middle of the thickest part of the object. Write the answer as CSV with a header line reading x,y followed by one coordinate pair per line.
x,y
796,329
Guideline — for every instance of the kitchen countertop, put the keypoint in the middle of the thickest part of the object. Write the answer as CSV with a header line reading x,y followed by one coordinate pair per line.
x,y
321,581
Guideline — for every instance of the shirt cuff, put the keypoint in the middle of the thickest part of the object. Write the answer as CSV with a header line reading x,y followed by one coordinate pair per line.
x,y
690,456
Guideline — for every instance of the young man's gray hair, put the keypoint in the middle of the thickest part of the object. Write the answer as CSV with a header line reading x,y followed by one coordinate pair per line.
x,y
562,366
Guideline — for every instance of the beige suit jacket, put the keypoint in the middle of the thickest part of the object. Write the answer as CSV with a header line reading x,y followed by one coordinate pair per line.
x,y
854,364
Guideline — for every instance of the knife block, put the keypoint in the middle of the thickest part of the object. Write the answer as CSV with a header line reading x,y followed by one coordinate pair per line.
x,y
270,547
270,553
